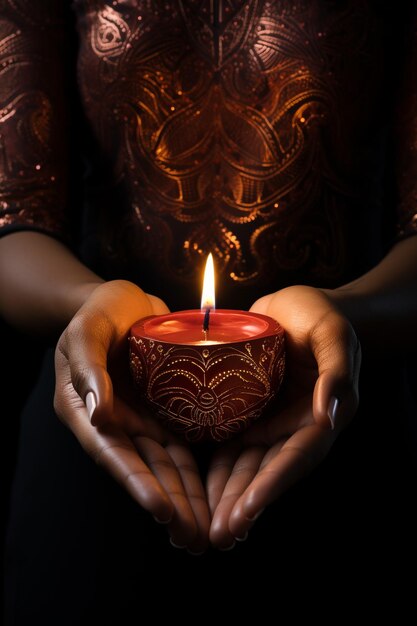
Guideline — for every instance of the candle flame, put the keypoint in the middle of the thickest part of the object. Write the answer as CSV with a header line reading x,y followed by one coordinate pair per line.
x,y
207,298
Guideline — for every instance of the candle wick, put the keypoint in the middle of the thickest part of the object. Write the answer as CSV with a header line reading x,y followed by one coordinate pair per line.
x,y
206,320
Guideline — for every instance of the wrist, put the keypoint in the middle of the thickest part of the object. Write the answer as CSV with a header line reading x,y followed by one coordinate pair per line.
x,y
78,296
348,302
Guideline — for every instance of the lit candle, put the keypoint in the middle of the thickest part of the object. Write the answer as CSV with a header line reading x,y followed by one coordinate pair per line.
x,y
207,373
207,296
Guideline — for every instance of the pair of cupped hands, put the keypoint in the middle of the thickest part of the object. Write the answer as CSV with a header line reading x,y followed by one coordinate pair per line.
x,y
95,399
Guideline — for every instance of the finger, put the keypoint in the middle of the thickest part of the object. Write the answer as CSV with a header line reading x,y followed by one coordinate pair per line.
x,y
242,475
194,489
158,306
183,526
85,343
114,452
338,355
282,423
83,347
139,422
261,305
219,472
290,463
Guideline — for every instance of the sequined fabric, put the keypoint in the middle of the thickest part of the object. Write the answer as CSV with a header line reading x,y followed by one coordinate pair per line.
x,y
32,129
235,127
244,128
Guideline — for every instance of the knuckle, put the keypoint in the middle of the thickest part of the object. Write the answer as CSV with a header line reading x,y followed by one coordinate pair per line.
x,y
80,375
61,353
190,530
97,322
74,329
57,403
336,333
341,329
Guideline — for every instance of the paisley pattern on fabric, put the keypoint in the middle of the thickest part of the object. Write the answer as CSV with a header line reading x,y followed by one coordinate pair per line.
x,y
246,128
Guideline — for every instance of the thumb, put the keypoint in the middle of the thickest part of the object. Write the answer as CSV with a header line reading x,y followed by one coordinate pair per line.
x,y
83,349
338,354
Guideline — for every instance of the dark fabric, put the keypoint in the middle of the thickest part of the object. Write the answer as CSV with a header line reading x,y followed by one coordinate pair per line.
x,y
79,549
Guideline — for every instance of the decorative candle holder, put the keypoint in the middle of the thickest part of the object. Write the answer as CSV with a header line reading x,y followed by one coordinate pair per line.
x,y
207,386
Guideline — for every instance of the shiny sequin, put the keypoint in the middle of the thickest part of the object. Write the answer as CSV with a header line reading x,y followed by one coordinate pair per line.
x,y
232,126
230,112
32,134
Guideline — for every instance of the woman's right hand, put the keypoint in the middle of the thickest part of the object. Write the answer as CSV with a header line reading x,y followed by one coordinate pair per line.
x,y
93,398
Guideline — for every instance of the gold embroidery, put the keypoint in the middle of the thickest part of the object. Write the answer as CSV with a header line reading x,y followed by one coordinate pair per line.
x,y
32,140
219,118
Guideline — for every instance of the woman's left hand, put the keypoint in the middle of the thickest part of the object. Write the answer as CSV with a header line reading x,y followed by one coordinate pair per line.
x,y
319,399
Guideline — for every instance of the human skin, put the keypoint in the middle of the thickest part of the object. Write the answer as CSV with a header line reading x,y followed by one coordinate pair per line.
x,y
45,289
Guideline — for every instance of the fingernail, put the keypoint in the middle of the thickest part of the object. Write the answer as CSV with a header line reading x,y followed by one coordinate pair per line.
x,y
90,403
332,410
162,521
175,545
255,517
228,547
191,553
245,536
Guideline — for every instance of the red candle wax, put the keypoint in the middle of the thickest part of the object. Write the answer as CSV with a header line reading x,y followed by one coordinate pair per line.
x,y
225,326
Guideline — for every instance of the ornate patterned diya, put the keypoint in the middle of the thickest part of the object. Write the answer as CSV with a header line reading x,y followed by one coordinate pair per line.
x,y
207,373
